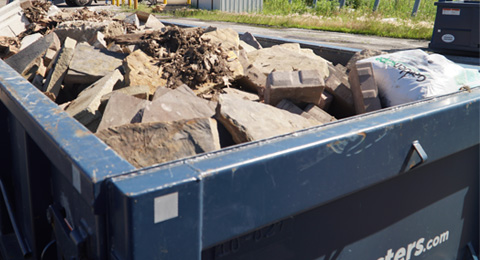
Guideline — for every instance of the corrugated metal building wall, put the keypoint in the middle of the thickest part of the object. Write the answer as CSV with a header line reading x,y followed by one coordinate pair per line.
x,y
236,6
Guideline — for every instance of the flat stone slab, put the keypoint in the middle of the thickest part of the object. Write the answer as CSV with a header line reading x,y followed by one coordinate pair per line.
x,y
90,64
122,109
287,57
147,144
241,94
141,70
228,38
134,91
83,31
175,105
249,121
57,72
27,58
85,107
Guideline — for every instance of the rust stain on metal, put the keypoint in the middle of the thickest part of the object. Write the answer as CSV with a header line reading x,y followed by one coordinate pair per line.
x,y
81,133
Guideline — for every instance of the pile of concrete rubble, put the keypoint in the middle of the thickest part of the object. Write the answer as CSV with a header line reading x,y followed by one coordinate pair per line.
x,y
157,93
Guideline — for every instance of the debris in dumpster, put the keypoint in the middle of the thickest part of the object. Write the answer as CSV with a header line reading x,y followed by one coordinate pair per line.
x,y
156,93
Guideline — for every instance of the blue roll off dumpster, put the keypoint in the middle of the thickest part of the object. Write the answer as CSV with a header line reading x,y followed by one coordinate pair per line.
x,y
399,183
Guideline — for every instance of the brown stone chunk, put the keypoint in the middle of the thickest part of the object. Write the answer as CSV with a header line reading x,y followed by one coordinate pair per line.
x,y
141,70
85,107
60,66
248,121
175,105
122,109
151,143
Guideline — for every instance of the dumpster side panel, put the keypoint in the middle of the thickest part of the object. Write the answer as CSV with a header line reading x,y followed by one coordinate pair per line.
x,y
282,178
431,212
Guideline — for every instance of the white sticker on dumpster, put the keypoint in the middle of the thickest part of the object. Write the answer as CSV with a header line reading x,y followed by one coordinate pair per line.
x,y
76,179
450,11
166,207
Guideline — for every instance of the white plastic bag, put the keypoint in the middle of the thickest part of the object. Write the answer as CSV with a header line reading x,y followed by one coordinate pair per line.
x,y
412,75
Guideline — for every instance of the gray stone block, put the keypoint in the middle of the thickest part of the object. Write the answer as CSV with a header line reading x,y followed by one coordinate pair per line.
x,y
305,86
364,88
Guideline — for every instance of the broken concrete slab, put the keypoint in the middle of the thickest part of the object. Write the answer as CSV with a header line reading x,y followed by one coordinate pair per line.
x,y
90,64
82,31
57,73
85,107
250,40
121,110
29,39
249,121
287,58
364,88
13,20
31,56
304,86
153,23
147,144
241,94
175,105
319,114
140,69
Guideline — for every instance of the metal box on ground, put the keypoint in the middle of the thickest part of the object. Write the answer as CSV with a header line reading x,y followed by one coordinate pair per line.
x,y
457,28
235,6
401,181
